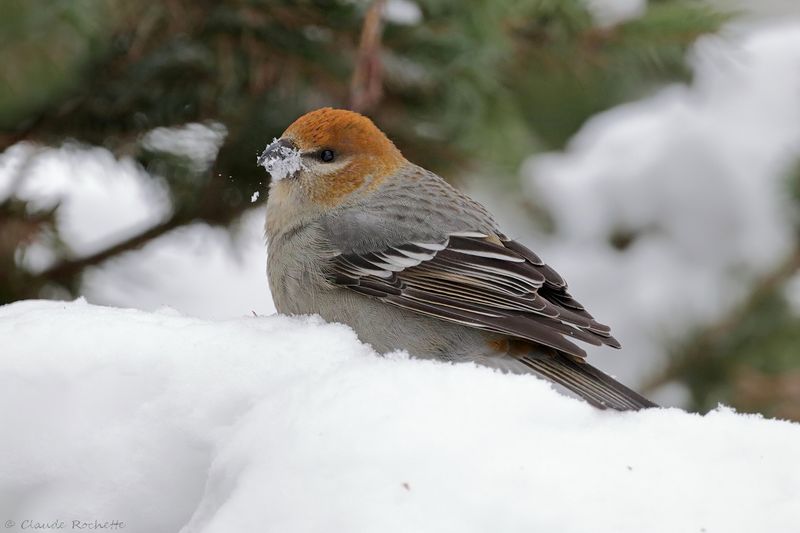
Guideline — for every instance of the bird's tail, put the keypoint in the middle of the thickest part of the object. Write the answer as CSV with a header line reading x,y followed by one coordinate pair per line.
x,y
594,386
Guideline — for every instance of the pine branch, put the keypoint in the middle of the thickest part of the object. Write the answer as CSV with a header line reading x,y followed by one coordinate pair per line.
x,y
67,271
366,87
712,335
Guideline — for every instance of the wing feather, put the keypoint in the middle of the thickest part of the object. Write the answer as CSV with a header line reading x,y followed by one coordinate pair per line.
x,y
476,280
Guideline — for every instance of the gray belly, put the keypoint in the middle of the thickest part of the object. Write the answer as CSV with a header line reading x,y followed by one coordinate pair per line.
x,y
389,328
299,287
385,327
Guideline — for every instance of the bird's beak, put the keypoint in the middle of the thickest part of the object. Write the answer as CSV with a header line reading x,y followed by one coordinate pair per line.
x,y
281,158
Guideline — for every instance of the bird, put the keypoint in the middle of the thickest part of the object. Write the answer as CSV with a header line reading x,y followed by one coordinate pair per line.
x,y
359,235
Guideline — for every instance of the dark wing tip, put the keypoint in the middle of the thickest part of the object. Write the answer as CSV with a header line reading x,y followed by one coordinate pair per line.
x,y
554,291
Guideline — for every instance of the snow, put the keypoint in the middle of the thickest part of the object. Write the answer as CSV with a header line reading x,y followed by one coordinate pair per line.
x,y
198,270
608,13
89,185
698,174
199,143
281,163
402,12
754,12
170,423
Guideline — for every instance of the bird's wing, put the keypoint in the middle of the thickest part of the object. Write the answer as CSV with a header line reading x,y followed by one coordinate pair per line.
x,y
483,281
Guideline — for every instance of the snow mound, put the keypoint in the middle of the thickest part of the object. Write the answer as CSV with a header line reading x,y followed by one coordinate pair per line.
x,y
169,423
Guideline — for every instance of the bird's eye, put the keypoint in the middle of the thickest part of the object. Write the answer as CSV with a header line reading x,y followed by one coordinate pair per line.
x,y
326,156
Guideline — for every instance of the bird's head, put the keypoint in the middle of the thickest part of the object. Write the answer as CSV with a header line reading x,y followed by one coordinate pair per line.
x,y
328,155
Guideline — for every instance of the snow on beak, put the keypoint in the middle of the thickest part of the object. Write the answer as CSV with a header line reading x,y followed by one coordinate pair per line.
x,y
281,158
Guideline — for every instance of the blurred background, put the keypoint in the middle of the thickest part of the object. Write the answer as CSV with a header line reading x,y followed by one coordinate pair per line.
x,y
649,150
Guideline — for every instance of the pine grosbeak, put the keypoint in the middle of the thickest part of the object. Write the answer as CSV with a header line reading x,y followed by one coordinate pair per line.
x,y
361,236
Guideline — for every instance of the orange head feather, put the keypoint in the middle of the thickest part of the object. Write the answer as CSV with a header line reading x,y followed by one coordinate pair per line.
x,y
366,154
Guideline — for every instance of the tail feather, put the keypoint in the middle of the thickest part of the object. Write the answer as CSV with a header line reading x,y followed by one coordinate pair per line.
x,y
594,386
